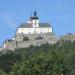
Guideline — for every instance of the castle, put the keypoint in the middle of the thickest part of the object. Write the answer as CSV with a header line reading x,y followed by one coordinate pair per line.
x,y
33,26
31,33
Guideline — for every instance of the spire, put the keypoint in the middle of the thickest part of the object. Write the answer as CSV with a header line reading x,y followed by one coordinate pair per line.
x,y
34,16
35,13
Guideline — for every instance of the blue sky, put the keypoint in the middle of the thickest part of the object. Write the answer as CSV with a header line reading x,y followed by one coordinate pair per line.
x,y
59,13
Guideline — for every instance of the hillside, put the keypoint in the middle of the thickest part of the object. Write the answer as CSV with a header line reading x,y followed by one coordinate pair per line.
x,y
46,59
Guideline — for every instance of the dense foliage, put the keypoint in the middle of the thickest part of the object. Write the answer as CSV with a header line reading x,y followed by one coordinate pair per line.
x,y
46,59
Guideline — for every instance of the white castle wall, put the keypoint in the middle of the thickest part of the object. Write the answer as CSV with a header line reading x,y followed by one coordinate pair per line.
x,y
34,30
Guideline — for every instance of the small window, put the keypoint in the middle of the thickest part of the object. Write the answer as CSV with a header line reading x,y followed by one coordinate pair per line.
x,y
29,32
35,21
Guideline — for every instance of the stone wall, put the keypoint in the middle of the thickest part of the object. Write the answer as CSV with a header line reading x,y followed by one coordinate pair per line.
x,y
28,43
1,48
20,43
68,37
10,45
34,39
19,37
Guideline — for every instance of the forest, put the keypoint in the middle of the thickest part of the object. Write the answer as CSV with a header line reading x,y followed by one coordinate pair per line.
x,y
57,59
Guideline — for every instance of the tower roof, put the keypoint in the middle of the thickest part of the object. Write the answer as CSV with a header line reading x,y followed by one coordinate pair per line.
x,y
35,13
34,16
41,25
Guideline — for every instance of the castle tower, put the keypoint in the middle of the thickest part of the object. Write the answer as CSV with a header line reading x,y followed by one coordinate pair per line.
x,y
34,20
